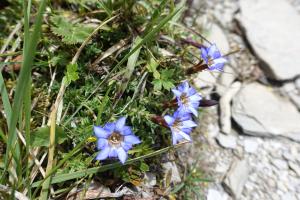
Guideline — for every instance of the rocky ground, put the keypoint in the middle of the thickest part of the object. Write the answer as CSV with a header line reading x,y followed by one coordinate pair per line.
x,y
252,148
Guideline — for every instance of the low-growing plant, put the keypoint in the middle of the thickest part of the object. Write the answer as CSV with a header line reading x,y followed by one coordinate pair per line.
x,y
99,81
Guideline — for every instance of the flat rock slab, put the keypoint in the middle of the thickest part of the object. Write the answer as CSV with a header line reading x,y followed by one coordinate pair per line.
x,y
273,30
236,178
261,112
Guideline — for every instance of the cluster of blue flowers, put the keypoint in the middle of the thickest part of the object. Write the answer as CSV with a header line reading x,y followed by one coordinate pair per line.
x,y
181,122
115,139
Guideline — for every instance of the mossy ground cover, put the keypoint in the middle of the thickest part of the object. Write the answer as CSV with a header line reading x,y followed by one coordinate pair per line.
x,y
87,63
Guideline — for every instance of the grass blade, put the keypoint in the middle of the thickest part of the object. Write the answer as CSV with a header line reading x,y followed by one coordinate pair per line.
x,y
5,99
64,177
129,70
148,37
22,83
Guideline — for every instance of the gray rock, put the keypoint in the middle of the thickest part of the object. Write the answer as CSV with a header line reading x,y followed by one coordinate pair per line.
x,y
171,172
288,196
216,35
280,164
216,195
250,145
297,83
149,179
206,80
273,30
288,156
260,112
225,107
295,167
225,80
293,93
227,141
237,177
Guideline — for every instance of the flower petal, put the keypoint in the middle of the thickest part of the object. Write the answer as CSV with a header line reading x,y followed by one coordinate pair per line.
x,y
192,91
170,120
185,136
126,131
120,123
100,132
195,97
109,127
176,92
132,139
102,155
122,155
174,138
187,130
188,124
218,64
204,54
112,153
214,52
101,143
194,111
126,146
186,86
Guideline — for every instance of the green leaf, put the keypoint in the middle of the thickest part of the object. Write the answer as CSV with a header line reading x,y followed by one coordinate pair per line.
x,y
40,137
70,33
167,74
72,74
168,85
144,167
157,84
151,66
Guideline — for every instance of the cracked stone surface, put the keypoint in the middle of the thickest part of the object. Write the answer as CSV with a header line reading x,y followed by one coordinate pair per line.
x,y
261,108
261,112
273,30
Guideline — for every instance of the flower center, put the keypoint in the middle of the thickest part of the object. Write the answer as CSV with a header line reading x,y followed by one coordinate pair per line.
x,y
184,99
176,125
115,139
210,61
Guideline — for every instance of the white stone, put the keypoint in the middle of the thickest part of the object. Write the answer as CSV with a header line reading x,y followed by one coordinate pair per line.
x,y
237,177
225,80
227,141
288,196
149,179
225,106
273,30
297,82
216,35
205,80
216,195
295,167
293,93
250,145
260,112
170,168
280,164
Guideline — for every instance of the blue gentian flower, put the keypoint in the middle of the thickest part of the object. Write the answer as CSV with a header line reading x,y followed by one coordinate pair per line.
x,y
213,58
181,125
187,98
114,140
